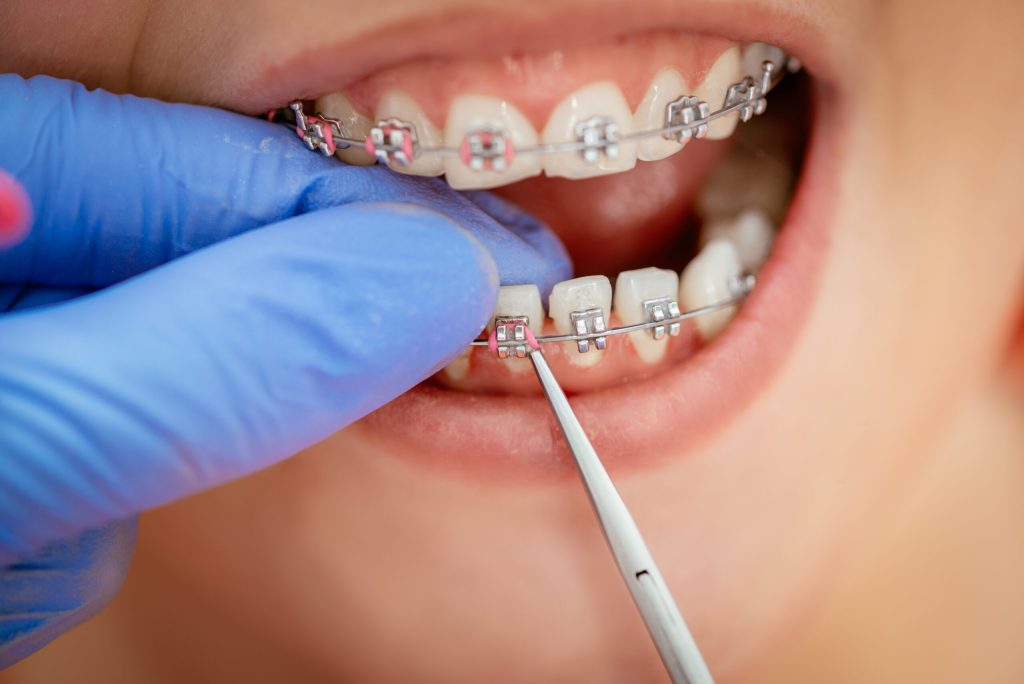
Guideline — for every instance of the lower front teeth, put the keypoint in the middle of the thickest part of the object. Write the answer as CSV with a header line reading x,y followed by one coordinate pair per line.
x,y
520,300
711,277
582,305
632,290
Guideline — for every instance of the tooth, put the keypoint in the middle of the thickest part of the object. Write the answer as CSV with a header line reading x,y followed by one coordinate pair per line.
x,y
751,233
397,104
471,112
668,85
458,368
520,300
354,124
726,71
707,280
632,289
756,54
604,99
580,294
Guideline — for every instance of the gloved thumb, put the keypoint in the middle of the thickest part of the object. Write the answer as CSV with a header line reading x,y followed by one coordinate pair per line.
x,y
226,361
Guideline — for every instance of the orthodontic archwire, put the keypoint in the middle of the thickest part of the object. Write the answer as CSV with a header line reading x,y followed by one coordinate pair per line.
x,y
490,148
512,337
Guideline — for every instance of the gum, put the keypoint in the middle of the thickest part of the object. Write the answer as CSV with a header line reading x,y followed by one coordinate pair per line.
x,y
536,83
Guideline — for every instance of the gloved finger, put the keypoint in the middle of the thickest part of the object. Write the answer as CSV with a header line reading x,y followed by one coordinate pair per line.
x,y
121,184
225,361
15,210
60,586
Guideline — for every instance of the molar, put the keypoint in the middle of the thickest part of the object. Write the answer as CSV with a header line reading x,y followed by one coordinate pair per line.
x,y
632,289
398,104
756,54
668,85
726,71
603,99
473,112
580,294
520,300
708,279
751,233
354,125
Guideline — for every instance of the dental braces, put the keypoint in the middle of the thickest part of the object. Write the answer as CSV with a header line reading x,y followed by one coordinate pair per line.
x,y
489,148
512,337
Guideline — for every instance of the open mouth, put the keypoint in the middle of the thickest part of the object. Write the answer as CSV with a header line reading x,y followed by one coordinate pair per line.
x,y
678,219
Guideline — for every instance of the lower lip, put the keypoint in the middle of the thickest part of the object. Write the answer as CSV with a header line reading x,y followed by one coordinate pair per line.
x,y
490,436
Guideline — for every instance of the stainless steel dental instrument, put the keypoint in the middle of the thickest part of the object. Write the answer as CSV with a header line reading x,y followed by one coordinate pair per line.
x,y
512,336
675,644
490,148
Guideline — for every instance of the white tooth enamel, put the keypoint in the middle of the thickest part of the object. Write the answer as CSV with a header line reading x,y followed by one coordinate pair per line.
x,y
470,112
756,54
750,233
398,104
603,99
520,300
458,368
726,71
580,294
668,85
632,289
707,280
355,125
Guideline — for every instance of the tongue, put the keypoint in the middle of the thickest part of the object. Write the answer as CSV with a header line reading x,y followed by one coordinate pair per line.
x,y
627,220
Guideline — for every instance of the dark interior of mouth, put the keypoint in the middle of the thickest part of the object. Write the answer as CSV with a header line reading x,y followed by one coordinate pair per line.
x,y
651,215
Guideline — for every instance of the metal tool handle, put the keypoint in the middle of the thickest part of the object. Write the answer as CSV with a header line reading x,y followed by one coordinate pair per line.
x,y
675,644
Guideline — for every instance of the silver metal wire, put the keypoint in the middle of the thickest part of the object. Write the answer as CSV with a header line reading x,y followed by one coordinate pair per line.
x,y
756,89
744,287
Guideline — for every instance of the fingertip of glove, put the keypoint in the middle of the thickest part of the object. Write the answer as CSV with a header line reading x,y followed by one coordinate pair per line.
x,y
15,210
449,268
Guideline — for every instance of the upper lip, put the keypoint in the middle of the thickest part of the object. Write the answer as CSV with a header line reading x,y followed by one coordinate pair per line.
x,y
342,52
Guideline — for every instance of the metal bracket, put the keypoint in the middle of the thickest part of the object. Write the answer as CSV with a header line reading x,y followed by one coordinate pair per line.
x,y
657,310
589,322
311,130
599,136
487,149
394,141
510,335
748,95
684,112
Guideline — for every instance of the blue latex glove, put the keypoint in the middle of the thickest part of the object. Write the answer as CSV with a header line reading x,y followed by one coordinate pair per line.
x,y
247,298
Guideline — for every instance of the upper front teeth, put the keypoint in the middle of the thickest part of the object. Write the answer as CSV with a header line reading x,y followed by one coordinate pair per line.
x,y
479,115
596,116
487,142
726,71
667,87
395,104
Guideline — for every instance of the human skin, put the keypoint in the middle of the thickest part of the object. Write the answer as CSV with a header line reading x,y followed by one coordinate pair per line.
x,y
858,520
